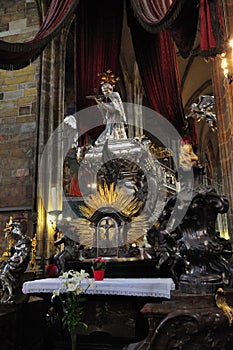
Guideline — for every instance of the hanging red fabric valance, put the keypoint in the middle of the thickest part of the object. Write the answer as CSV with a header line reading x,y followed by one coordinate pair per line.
x,y
211,28
156,15
180,18
159,71
19,55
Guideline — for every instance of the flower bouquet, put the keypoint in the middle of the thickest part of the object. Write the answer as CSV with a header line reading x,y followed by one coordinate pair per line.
x,y
74,285
98,267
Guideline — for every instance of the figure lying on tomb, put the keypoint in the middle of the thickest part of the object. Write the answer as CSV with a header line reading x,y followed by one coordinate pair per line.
x,y
112,110
17,264
71,251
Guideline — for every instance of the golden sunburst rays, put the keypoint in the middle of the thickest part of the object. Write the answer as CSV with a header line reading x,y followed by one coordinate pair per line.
x,y
109,196
138,228
108,77
85,232
117,199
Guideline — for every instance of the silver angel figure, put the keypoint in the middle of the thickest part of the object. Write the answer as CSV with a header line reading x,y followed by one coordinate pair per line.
x,y
16,265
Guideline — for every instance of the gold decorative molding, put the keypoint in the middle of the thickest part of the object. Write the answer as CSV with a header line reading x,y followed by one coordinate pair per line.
x,y
223,305
109,196
117,199
108,77
161,152
9,239
33,253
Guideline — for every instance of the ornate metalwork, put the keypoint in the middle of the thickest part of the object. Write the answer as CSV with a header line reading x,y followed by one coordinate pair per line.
x,y
204,109
111,197
33,253
161,152
108,77
9,238
110,204
222,304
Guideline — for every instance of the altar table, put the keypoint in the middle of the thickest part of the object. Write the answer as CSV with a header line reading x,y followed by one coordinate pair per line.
x,y
142,287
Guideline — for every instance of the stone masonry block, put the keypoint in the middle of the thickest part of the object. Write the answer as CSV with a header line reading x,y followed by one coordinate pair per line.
x,y
24,110
11,95
21,79
28,127
24,101
7,104
18,24
28,92
9,88
26,118
9,112
25,71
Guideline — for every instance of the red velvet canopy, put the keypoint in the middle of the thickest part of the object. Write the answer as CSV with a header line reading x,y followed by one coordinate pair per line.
x,y
19,55
179,16
155,25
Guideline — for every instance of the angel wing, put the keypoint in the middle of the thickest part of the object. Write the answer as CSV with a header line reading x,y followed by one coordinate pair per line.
x,y
71,121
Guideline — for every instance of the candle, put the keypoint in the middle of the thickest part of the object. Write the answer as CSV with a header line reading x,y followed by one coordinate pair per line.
x,y
54,198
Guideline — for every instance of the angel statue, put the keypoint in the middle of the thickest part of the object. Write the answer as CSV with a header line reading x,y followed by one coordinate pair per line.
x,y
13,269
111,108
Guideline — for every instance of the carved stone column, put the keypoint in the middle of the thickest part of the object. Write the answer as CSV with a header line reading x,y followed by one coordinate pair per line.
x,y
223,91
51,115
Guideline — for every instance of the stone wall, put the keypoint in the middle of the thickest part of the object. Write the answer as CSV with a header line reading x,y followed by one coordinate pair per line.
x,y
18,116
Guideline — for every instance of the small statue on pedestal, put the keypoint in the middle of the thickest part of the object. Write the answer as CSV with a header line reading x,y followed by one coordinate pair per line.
x,y
70,252
16,265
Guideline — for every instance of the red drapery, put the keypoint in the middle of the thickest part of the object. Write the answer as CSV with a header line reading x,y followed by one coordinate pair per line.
x,y
211,28
99,42
159,72
183,29
158,67
156,15
180,17
99,30
19,55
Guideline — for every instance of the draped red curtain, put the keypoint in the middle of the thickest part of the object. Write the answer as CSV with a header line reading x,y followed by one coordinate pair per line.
x,y
19,55
211,28
159,72
156,15
183,30
158,68
99,30
99,26
98,34
180,17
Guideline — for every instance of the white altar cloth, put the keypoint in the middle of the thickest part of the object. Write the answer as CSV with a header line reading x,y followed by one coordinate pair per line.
x,y
146,287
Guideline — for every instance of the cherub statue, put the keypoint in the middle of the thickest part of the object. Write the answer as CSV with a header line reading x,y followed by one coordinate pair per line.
x,y
16,265
70,252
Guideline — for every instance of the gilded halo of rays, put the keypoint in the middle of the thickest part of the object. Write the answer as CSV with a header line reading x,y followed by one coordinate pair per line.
x,y
120,201
108,77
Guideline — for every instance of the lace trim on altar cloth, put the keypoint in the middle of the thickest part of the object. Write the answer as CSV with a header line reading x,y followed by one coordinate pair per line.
x,y
144,287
